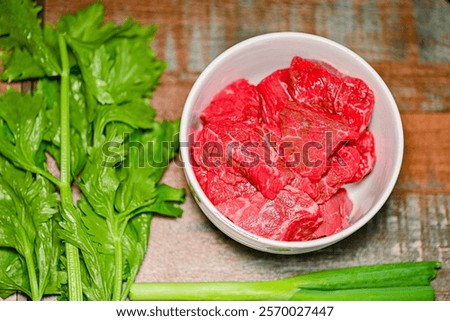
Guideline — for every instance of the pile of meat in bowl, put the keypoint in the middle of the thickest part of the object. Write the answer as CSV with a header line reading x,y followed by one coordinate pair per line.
x,y
283,162
275,157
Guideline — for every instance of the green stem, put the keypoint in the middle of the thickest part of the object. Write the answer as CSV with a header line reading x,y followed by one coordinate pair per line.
x,y
117,291
398,281
47,175
211,291
257,291
118,257
73,258
128,285
34,285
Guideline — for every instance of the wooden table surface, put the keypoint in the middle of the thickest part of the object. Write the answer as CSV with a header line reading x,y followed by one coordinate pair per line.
x,y
407,42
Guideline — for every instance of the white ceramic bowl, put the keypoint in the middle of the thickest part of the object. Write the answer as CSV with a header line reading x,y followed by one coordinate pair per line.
x,y
257,57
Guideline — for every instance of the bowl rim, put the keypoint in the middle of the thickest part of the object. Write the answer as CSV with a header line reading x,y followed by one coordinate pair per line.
x,y
199,193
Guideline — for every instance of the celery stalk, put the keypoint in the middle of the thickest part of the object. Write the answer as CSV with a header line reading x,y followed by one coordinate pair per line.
x,y
72,254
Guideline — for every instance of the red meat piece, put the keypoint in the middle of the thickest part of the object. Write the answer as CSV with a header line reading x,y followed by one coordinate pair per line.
x,y
344,165
320,87
301,214
221,184
243,148
238,102
366,148
292,216
275,93
309,139
219,180
348,165
335,214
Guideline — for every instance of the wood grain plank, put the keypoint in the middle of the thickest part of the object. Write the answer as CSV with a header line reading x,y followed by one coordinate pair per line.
x,y
427,153
192,33
432,19
378,30
417,86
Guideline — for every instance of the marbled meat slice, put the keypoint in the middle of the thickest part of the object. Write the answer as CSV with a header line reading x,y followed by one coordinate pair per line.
x,y
319,87
218,179
309,138
301,214
345,164
366,148
244,149
289,217
335,213
238,102
275,93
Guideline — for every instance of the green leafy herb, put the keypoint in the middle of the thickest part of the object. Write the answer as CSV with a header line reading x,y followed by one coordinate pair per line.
x,y
22,131
13,273
20,30
90,112
28,221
